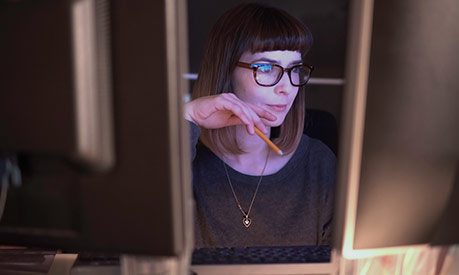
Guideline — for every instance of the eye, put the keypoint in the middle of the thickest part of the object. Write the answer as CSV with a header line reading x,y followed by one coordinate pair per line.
x,y
297,69
264,68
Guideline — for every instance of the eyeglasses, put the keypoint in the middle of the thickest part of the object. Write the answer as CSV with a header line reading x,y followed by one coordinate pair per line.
x,y
268,75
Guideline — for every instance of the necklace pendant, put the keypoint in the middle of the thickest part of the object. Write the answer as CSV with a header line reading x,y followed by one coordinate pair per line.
x,y
246,221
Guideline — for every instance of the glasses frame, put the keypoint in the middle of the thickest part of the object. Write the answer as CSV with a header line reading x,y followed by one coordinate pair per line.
x,y
254,68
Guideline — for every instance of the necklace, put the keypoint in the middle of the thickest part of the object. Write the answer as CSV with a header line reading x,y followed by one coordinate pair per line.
x,y
246,221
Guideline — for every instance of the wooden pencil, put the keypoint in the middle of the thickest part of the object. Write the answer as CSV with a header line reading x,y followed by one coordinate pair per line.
x,y
269,142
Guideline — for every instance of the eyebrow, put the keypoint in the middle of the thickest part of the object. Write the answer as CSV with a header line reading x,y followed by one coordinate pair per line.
x,y
264,59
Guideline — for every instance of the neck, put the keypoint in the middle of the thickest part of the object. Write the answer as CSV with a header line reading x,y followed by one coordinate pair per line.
x,y
251,143
252,161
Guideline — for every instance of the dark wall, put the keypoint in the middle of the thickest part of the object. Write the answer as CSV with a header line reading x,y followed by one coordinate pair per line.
x,y
327,20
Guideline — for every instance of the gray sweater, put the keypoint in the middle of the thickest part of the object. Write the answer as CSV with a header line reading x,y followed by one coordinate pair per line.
x,y
293,206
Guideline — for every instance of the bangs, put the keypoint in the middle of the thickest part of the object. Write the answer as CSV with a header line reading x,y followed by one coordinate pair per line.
x,y
274,30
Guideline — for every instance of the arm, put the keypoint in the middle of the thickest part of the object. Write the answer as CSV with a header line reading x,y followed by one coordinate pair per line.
x,y
218,111
329,199
195,132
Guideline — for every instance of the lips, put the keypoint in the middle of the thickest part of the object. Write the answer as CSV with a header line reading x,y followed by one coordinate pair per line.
x,y
278,107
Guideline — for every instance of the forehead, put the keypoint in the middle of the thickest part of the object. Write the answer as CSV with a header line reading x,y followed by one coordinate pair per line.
x,y
278,56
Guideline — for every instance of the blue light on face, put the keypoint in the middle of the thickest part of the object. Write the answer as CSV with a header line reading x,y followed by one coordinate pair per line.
x,y
263,68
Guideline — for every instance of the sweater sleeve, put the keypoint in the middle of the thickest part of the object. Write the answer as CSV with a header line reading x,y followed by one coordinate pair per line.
x,y
328,201
195,132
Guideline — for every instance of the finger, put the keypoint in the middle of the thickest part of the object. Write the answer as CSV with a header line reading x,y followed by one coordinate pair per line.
x,y
257,122
262,113
240,111
253,112
234,120
249,122
252,117
258,115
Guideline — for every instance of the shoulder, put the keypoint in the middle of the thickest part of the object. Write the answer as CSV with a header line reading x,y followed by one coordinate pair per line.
x,y
318,161
204,157
315,149
320,164
195,130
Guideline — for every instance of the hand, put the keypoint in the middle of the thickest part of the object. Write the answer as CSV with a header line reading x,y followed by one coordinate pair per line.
x,y
218,111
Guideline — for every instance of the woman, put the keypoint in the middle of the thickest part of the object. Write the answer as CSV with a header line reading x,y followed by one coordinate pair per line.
x,y
253,75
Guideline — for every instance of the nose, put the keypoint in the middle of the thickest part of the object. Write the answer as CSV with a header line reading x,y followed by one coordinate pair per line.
x,y
284,86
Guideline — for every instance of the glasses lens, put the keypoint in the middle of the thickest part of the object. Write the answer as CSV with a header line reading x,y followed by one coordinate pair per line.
x,y
267,74
299,75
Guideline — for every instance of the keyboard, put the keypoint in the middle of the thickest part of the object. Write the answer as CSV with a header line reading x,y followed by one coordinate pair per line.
x,y
262,255
15,260
230,261
97,258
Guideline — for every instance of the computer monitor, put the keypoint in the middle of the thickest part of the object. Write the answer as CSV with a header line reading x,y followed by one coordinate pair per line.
x,y
399,149
90,111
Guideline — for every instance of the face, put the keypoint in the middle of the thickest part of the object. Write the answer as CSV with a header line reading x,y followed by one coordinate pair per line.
x,y
277,99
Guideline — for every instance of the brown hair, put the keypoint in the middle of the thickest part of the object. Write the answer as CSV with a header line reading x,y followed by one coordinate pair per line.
x,y
256,28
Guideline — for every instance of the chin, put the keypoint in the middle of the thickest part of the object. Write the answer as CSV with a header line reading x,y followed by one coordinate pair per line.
x,y
276,123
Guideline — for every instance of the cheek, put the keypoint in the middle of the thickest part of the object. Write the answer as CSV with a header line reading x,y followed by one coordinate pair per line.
x,y
237,83
244,87
293,96
249,95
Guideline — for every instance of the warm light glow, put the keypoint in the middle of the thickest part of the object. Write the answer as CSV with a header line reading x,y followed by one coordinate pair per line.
x,y
349,253
357,71
92,85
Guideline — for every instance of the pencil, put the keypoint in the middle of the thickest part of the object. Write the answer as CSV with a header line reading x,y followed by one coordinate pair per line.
x,y
269,142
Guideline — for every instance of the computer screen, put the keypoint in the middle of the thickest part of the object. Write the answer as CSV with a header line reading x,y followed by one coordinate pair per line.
x,y
399,149
90,112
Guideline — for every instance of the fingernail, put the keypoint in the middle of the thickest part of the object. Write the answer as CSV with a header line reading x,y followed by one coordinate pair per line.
x,y
263,129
